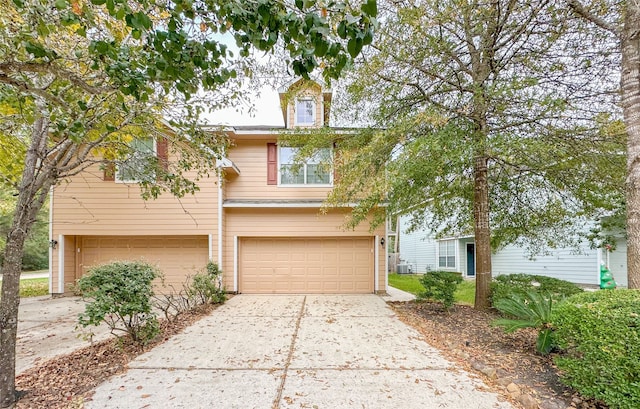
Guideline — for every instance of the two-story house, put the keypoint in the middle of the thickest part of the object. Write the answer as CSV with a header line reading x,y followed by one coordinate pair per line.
x,y
259,220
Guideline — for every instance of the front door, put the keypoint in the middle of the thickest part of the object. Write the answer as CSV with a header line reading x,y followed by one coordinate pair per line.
x,y
471,260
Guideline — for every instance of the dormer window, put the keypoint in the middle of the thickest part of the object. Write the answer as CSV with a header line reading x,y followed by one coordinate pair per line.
x,y
305,111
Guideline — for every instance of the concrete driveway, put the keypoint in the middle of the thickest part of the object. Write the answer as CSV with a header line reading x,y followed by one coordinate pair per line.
x,y
46,328
295,352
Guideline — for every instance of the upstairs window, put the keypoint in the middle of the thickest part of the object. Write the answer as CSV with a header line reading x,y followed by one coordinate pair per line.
x,y
305,111
140,164
447,254
314,171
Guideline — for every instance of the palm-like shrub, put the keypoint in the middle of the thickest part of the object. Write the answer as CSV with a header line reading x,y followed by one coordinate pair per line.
x,y
528,309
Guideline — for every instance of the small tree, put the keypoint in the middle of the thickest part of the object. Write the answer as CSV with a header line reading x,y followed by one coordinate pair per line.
x,y
119,295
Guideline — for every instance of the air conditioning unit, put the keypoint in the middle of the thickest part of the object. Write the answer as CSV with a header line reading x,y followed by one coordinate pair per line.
x,y
403,269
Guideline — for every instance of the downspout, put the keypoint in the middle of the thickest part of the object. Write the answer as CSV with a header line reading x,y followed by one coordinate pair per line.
x,y
61,263
50,240
220,219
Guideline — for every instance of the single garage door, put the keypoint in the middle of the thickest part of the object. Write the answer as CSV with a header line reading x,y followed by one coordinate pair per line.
x,y
176,256
306,265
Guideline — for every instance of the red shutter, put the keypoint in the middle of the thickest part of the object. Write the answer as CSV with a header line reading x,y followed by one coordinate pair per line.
x,y
109,172
272,164
162,151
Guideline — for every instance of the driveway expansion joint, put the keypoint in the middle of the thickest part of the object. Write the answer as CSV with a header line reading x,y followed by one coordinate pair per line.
x,y
276,401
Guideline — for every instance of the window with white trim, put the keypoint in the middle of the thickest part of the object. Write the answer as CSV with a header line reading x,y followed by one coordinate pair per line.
x,y
138,166
314,171
447,254
305,111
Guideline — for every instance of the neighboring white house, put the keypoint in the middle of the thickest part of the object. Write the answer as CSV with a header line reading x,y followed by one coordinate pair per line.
x,y
422,252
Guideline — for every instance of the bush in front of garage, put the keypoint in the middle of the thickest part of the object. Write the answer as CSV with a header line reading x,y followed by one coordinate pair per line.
x,y
204,287
119,294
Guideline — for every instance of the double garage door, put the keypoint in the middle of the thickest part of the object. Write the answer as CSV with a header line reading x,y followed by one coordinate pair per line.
x,y
335,265
176,256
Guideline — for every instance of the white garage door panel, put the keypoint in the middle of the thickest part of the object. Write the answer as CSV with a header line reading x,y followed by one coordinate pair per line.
x,y
303,265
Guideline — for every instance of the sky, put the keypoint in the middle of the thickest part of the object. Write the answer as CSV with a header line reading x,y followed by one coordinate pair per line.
x,y
266,111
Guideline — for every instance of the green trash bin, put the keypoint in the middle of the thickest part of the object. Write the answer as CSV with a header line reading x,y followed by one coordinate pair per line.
x,y
606,278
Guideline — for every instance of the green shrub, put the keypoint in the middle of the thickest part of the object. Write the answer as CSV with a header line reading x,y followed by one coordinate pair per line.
x,y
503,286
205,287
440,286
119,295
528,310
599,333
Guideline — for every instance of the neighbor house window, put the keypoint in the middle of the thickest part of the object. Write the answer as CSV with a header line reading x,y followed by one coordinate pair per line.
x,y
447,254
138,166
314,171
305,111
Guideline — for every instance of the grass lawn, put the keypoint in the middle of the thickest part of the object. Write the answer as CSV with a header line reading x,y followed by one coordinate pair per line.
x,y
465,293
33,287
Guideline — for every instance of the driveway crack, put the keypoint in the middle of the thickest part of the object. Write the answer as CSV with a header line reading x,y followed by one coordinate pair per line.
x,y
276,401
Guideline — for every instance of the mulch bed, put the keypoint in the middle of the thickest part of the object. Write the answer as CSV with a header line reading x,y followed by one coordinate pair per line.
x,y
466,337
66,381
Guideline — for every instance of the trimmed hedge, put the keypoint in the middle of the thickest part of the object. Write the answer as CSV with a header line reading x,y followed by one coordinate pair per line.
x,y
599,333
504,286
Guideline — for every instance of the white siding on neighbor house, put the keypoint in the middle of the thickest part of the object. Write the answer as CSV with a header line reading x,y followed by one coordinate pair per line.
x,y
417,249
618,263
577,267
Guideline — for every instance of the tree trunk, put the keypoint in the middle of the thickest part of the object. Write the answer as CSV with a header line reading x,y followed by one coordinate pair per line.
x,y
630,85
32,193
482,232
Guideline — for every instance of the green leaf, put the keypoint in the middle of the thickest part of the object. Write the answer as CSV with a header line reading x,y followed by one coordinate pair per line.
x,y
98,2
60,4
544,343
370,8
321,48
354,46
342,30
36,49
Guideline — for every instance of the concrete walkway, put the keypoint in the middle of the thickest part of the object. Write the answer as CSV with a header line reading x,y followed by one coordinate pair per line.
x,y
295,352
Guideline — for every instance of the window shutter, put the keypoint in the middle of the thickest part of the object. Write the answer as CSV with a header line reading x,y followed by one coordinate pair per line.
x,y
109,172
272,164
336,160
162,151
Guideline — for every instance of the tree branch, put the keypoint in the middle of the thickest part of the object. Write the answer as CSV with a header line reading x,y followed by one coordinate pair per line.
x,y
581,11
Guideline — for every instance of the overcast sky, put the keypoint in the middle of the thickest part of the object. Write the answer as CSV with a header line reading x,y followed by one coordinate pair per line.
x,y
266,111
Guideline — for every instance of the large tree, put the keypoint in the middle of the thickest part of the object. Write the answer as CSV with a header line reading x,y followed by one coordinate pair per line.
x,y
82,80
486,119
621,21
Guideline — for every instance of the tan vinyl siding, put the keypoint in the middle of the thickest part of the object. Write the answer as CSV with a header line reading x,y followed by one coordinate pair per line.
x,y
305,223
251,158
85,204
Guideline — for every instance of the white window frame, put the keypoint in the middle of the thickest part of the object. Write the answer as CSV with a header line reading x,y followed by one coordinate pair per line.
x,y
447,255
304,167
117,173
298,101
